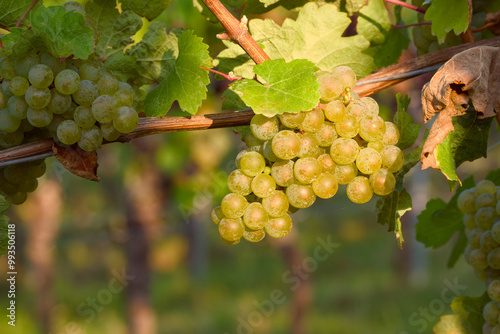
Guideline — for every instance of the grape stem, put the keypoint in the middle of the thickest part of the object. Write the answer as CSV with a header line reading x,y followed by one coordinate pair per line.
x,y
236,31
149,125
18,23
230,76
407,5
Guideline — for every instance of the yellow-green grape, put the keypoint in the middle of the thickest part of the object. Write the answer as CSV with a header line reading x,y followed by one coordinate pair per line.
x,y
466,201
368,161
276,204
485,186
325,186
279,227
308,145
19,198
376,145
255,216
345,75
306,170
18,85
392,158
28,185
230,243
124,96
495,230
252,163
313,120
346,173
68,132
37,98
90,139
326,163
55,65
217,215
491,312
282,173
267,151
474,238
467,252
52,127
84,118
107,84
326,134
300,196
231,229
104,108
264,128
357,109
67,82
90,71
41,76
494,290
469,221
359,190
372,128
234,205
7,70
37,169
286,145
382,182
330,87
7,122
344,151
335,111
348,127
6,88
126,120
70,114
372,106
263,185
12,139
39,117
484,200
391,135
86,93
239,183
493,257
254,235
485,217
252,142
59,103
109,132
24,65
292,120
479,259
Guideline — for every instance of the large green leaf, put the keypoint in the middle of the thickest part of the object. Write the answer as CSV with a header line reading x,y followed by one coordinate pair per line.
x,y
64,34
468,318
448,15
288,87
19,41
185,81
408,130
148,9
374,21
12,10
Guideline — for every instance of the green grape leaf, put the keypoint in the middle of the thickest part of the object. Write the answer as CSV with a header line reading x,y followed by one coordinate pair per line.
x,y
448,15
440,220
185,81
374,22
468,318
4,220
391,208
148,9
389,52
232,101
64,34
114,30
263,6
467,142
494,176
12,10
408,130
288,87
458,249
19,42
315,35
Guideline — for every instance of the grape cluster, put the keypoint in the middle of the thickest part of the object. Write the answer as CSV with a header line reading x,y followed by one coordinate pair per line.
x,y
293,158
481,208
73,101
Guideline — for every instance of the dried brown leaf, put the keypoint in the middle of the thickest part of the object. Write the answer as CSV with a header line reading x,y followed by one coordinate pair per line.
x,y
472,74
77,161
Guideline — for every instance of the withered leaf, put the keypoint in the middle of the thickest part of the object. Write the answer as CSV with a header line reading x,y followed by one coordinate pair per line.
x,y
470,75
77,161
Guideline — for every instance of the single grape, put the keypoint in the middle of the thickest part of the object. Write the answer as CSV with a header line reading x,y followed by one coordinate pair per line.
x,y
346,173
84,118
484,200
479,259
11,139
485,217
127,120
286,145
282,173
107,84
306,170
368,161
372,106
18,85
234,205
39,117
6,88
7,69
252,163
238,158
292,120
86,93
54,124
313,120
24,65
239,183
326,163
372,129
104,108
359,190
335,111
217,215
67,82
264,128
382,182
28,185
109,132
68,132
344,151
330,87
474,238
466,201
124,96
308,145
485,186
357,109
19,198
348,127
326,134
231,229
392,158
263,185
59,103
279,227
493,256
491,312
90,139
40,76
253,235
37,98
325,186
494,290
391,135
346,76
252,142
255,216
17,106
469,221
300,195
90,71
276,204
267,151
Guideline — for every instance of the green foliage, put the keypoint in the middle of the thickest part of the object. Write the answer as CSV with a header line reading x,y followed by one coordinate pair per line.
x,y
185,81
391,208
19,42
11,11
148,9
287,87
64,34
448,15
406,124
4,220
468,318
374,22
468,142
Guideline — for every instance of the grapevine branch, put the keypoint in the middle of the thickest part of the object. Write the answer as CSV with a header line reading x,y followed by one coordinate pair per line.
x,y
18,23
407,5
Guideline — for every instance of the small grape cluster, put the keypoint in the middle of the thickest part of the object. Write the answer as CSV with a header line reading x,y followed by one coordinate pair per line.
x,y
73,101
481,208
293,158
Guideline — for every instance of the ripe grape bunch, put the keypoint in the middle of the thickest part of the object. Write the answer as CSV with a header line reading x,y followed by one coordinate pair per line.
x,y
74,102
481,208
293,158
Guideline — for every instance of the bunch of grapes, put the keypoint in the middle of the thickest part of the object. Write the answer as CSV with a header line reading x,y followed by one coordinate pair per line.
x,y
72,101
293,158
481,208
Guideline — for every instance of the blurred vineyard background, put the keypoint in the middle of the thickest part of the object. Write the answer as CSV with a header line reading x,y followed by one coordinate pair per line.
x,y
150,216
